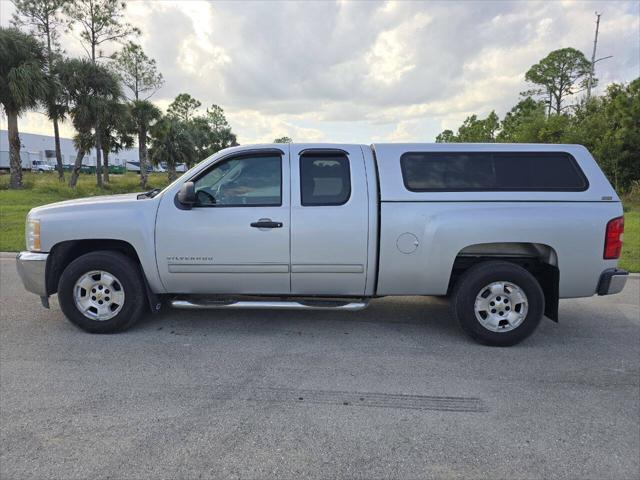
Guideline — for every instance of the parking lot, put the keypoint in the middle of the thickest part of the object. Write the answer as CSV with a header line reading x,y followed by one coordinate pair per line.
x,y
394,391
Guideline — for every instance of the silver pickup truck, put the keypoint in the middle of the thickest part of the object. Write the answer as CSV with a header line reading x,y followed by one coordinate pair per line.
x,y
504,230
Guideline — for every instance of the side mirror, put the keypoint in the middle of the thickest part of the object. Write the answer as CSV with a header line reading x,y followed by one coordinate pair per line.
x,y
187,195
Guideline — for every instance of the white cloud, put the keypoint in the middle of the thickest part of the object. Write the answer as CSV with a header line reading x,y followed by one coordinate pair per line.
x,y
393,53
363,71
265,128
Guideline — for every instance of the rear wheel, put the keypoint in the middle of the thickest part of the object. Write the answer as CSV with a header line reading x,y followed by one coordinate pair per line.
x,y
498,303
102,292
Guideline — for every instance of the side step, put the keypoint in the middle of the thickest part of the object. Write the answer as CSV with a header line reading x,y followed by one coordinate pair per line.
x,y
202,304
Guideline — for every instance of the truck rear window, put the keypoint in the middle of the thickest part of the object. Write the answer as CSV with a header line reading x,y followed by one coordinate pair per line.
x,y
491,171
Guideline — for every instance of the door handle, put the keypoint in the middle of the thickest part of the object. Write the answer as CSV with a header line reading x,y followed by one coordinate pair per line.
x,y
266,223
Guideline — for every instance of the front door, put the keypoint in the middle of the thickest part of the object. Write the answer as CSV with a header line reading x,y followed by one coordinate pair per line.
x,y
329,221
235,240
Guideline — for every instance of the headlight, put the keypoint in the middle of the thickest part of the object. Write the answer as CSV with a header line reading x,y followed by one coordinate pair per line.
x,y
32,234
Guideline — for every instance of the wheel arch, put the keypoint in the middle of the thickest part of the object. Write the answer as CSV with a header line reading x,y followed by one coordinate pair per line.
x,y
541,260
63,253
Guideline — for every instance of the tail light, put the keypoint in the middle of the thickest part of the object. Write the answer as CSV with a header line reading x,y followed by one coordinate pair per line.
x,y
613,238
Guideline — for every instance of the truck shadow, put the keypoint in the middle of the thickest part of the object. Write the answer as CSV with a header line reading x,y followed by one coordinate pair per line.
x,y
411,315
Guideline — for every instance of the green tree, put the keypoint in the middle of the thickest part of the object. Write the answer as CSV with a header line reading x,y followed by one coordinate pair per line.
x,y
89,89
216,118
116,131
201,136
210,133
42,18
560,74
138,72
522,122
101,22
479,130
221,135
171,144
142,79
207,139
143,114
23,85
283,140
184,107
609,126
473,130
446,136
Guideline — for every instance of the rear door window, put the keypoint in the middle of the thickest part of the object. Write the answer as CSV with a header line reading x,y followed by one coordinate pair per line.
x,y
324,179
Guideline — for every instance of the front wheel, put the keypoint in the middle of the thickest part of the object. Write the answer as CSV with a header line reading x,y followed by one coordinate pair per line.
x,y
498,303
102,292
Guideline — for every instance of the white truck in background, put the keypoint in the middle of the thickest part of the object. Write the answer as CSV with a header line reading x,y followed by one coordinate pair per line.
x,y
28,161
505,231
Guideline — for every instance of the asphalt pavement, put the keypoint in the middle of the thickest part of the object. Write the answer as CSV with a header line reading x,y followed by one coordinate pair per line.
x,y
394,391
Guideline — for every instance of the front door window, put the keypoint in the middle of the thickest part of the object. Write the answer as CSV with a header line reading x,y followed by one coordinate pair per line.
x,y
245,181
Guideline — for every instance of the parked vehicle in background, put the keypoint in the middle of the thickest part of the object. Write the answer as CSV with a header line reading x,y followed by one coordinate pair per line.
x,y
180,167
135,167
41,166
505,231
27,161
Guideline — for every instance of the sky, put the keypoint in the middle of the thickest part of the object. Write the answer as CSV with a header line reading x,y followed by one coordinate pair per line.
x,y
364,71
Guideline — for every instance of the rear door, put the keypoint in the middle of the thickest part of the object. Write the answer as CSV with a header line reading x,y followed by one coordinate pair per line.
x,y
329,221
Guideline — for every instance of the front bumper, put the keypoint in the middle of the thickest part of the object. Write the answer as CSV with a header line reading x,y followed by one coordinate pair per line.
x,y
32,270
612,281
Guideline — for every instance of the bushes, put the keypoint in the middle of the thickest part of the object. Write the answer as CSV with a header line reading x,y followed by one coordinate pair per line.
x,y
47,183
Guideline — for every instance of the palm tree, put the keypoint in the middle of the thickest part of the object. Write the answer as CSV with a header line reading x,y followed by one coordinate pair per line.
x,y
88,90
57,110
23,85
143,113
141,78
171,144
42,19
116,127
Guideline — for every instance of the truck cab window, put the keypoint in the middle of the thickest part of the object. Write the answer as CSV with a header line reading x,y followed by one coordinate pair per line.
x,y
250,181
324,179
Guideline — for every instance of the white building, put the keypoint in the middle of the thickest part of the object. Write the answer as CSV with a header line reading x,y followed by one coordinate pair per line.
x,y
42,147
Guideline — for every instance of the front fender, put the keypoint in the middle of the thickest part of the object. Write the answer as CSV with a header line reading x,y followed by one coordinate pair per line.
x,y
124,219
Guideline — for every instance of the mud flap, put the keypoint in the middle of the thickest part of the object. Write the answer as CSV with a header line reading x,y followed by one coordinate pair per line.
x,y
549,278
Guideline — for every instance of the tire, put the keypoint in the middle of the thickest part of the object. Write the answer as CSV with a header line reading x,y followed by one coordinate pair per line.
x,y
514,314
119,292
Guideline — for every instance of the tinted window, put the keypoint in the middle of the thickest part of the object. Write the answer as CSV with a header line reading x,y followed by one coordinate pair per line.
x,y
324,180
250,181
491,171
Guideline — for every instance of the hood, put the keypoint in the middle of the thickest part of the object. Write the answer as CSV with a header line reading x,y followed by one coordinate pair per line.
x,y
87,202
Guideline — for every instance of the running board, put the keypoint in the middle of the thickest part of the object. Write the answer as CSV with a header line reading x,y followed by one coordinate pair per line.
x,y
269,305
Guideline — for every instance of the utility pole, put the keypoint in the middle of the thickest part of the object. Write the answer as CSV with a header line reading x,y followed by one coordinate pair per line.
x,y
593,57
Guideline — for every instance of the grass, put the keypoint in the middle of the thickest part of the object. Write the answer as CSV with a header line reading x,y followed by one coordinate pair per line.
x,y
44,188
630,259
